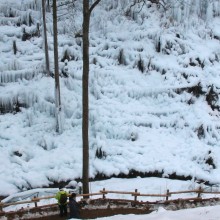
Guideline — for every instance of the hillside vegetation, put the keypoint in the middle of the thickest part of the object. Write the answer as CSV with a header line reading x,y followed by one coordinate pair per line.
x,y
154,92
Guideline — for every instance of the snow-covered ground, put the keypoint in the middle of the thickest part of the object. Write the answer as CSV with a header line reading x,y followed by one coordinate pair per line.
x,y
154,75
204,213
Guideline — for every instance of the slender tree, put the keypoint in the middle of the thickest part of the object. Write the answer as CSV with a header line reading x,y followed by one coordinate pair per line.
x,y
45,39
87,10
48,6
56,69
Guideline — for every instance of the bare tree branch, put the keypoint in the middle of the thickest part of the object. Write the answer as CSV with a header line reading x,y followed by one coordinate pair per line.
x,y
158,2
94,5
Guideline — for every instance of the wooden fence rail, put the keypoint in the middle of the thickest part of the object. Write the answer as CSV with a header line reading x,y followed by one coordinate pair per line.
x,y
104,192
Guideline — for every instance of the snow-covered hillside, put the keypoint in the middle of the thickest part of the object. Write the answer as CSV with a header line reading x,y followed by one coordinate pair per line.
x,y
154,77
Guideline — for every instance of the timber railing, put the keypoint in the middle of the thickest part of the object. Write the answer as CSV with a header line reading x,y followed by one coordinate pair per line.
x,y
166,197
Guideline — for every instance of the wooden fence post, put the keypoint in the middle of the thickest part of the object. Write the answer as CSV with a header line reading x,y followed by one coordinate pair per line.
x,y
167,196
35,201
135,197
103,196
199,192
1,209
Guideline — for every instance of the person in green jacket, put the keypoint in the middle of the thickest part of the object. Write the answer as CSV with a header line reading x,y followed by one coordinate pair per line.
x,y
61,197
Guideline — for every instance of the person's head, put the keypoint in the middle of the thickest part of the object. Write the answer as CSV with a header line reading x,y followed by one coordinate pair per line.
x,y
60,188
73,195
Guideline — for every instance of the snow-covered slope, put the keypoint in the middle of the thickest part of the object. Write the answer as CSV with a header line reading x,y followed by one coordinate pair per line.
x,y
154,76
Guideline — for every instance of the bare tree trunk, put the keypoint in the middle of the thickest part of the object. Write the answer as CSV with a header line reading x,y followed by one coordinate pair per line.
x,y
56,69
48,6
85,91
45,39
85,96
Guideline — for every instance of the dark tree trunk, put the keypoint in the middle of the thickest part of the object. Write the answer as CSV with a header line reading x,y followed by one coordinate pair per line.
x,y
85,93
85,96
45,39
56,69
48,6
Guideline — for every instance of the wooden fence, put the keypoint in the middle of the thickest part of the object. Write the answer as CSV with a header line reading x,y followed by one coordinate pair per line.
x,y
166,197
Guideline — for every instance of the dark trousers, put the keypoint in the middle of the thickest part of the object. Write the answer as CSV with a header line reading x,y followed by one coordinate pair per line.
x,y
63,210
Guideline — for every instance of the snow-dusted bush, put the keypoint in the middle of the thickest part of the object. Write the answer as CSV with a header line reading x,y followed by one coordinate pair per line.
x,y
100,154
158,44
140,64
10,12
171,45
121,57
66,54
196,90
14,47
212,97
70,53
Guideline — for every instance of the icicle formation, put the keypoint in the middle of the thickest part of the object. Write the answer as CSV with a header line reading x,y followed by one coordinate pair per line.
x,y
30,4
185,10
27,99
20,13
13,104
6,7
16,75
